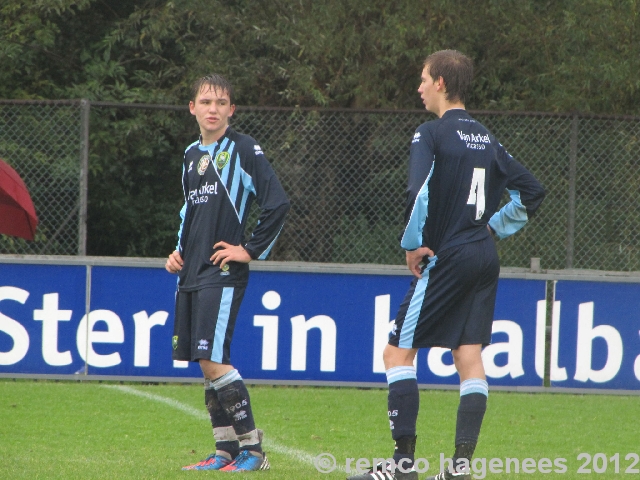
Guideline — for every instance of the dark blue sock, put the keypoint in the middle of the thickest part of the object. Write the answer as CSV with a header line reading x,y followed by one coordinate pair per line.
x,y
403,403
473,405
234,398
223,431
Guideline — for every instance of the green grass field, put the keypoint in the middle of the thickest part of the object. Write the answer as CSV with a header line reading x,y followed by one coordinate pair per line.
x,y
91,430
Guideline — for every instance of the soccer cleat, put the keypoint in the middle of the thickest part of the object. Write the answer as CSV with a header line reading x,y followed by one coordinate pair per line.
x,y
450,476
378,473
212,462
248,462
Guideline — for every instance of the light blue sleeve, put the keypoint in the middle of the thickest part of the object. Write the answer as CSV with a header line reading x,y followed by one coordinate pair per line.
x,y
183,211
510,218
412,236
421,163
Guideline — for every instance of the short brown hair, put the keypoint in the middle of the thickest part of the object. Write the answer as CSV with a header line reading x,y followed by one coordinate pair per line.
x,y
215,81
455,68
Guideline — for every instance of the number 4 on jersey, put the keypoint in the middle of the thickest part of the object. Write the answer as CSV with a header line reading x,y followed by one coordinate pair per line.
x,y
476,195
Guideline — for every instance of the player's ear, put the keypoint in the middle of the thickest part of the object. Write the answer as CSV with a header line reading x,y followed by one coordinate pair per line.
x,y
232,110
192,107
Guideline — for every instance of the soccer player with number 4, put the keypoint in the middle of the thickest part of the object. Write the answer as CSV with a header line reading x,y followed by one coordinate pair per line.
x,y
457,175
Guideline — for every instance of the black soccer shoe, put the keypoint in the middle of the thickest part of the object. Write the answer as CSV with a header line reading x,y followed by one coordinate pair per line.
x,y
378,473
450,476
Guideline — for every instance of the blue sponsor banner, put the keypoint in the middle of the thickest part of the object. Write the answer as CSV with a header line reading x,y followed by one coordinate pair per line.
x,y
334,327
133,311
291,326
596,335
516,354
40,309
306,326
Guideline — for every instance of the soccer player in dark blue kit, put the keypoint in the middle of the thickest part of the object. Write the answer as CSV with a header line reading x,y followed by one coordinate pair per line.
x,y
222,174
457,174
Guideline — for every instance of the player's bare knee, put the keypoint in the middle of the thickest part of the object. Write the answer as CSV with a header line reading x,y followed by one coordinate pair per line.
x,y
213,370
393,356
390,356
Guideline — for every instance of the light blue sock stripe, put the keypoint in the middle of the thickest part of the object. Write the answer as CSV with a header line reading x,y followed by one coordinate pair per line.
x,y
474,385
221,324
396,374
226,379
413,312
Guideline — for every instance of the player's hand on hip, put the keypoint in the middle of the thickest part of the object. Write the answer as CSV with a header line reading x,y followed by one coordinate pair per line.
x,y
174,262
414,259
229,253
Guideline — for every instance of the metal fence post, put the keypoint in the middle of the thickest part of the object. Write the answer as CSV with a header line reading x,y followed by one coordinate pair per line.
x,y
85,107
571,213
87,311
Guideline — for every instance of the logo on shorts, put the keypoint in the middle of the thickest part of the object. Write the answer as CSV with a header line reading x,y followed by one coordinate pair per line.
x,y
222,159
174,342
225,269
203,164
203,344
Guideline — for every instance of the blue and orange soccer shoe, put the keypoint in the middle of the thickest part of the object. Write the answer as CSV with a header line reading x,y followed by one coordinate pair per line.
x,y
212,462
247,462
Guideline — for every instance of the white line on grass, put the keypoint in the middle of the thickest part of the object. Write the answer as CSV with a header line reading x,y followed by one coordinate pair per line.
x,y
194,412
295,454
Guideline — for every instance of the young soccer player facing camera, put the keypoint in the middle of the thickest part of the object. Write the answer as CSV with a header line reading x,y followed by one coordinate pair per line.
x,y
457,174
222,174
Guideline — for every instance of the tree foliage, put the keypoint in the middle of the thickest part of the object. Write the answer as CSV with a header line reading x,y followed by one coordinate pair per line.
x,y
529,54
539,55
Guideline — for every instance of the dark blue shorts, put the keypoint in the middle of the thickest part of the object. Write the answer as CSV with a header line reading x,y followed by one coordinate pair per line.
x,y
204,323
453,303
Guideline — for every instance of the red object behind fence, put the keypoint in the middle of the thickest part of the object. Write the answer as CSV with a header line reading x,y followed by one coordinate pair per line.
x,y
17,214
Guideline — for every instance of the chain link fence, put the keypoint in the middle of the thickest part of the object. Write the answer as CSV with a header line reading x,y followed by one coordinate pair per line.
x,y
345,174
43,142
588,164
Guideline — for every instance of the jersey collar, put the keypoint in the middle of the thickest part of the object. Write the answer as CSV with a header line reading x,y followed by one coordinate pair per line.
x,y
226,133
455,111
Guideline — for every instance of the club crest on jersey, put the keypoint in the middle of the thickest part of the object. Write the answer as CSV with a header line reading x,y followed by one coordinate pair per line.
x,y
203,164
222,159
225,269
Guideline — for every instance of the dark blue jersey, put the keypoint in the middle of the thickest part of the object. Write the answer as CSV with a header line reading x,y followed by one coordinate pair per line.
x,y
457,175
220,181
